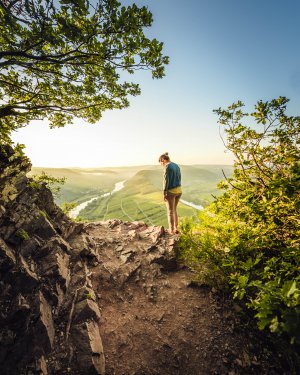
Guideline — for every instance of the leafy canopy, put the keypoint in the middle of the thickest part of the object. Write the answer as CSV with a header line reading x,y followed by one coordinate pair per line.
x,y
61,59
250,236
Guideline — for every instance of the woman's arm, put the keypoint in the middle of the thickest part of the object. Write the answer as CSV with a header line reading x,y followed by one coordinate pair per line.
x,y
165,181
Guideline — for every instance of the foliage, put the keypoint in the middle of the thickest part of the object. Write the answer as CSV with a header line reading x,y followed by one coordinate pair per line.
x,y
251,233
62,59
90,295
34,185
68,206
22,234
53,183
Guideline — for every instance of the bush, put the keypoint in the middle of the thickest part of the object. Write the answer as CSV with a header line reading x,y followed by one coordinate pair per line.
x,y
250,236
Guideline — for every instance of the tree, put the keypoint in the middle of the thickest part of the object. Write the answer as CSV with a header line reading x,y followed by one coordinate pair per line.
x,y
62,59
250,235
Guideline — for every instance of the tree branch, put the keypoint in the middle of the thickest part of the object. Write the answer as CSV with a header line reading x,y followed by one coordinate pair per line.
x,y
10,14
229,181
9,110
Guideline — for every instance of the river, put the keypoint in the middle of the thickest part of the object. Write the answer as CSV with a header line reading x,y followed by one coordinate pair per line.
x,y
191,204
119,186
75,212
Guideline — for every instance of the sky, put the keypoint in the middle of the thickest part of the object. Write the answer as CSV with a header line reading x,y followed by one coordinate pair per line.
x,y
220,52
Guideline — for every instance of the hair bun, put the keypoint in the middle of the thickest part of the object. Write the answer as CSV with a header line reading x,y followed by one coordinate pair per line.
x,y
166,153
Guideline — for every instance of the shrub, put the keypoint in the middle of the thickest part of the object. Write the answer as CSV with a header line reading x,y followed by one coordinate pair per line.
x,y
251,234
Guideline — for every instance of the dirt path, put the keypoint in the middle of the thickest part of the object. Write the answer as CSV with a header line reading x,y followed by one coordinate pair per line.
x,y
155,322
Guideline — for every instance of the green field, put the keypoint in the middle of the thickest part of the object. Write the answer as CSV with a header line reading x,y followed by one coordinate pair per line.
x,y
85,183
141,197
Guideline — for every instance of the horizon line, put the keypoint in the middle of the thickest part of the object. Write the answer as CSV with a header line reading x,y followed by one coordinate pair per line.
x,y
128,166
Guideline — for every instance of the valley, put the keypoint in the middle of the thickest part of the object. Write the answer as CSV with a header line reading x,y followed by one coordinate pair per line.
x,y
133,193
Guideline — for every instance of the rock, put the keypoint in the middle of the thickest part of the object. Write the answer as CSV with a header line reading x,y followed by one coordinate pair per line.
x,y
78,267
119,248
42,227
41,366
16,237
7,230
89,350
30,247
72,229
19,314
7,257
137,225
27,279
127,255
130,272
153,232
2,211
157,233
59,295
89,253
59,242
86,310
84,246
168,262
21,182
9,193
49,247
132,234
44,328
56,264
113,223
63,269
86,293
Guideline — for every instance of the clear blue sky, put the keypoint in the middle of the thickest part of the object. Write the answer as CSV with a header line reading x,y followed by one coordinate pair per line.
x,y
220,51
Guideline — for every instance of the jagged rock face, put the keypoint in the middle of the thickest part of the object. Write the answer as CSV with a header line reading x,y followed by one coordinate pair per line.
x,y
45,318
49,322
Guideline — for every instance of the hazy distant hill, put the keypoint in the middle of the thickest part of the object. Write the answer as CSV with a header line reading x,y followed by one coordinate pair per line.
x,y
200,181
84,183
141,197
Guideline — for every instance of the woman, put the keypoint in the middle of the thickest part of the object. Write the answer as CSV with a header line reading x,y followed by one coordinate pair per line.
x,y
172,190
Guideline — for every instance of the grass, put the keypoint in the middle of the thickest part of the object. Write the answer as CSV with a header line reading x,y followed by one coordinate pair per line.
x,y
135,202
